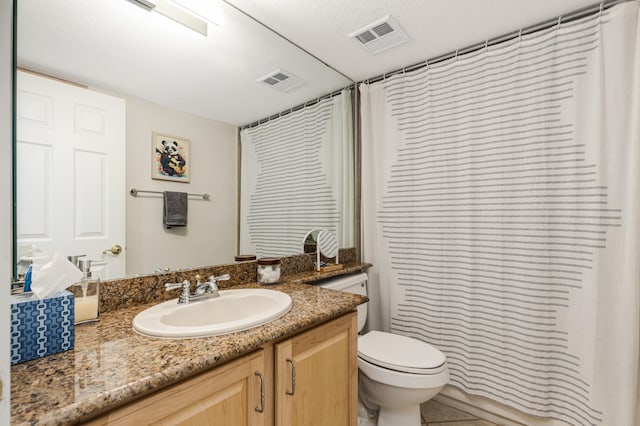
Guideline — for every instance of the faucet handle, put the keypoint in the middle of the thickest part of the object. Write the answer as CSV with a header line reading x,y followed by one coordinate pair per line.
x,y
185,295
172,286
224,277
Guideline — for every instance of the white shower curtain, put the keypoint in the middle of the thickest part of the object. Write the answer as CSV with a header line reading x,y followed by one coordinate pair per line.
x,y
501,212
296,176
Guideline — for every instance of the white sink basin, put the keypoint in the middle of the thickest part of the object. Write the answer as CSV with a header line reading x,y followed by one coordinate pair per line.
x,y
234,310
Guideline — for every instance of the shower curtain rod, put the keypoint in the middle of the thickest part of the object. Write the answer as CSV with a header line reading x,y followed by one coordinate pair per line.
x,y
572,16
297,107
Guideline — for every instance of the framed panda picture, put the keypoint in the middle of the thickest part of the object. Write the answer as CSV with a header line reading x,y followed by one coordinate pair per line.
x,y
171,156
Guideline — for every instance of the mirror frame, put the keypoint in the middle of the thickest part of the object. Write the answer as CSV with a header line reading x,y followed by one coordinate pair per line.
x,y
14,158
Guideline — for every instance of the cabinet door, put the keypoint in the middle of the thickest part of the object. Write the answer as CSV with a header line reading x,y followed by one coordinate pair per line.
x,y
317,376
227,395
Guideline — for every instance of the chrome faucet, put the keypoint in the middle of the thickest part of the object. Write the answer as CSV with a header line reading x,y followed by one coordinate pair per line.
x,y
210,288
204,290
207,287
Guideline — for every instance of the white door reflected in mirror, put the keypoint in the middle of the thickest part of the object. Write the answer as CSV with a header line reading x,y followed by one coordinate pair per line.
x,y
70,179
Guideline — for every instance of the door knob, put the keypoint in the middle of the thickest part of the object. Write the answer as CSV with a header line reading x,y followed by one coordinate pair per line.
x,y
115,250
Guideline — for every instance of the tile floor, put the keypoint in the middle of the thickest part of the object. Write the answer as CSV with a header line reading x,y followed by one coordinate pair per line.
x,y
437,414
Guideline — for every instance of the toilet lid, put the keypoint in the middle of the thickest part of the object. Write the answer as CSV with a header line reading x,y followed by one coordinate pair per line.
x,y
399,353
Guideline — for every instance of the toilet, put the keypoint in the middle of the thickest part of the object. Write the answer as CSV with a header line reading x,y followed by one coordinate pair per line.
x,y
396,373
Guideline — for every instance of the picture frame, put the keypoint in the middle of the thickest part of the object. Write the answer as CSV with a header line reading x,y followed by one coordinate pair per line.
x,y
171,158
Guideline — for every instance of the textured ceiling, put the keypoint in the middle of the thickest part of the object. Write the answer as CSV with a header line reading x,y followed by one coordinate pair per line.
x,y
117,46
435,27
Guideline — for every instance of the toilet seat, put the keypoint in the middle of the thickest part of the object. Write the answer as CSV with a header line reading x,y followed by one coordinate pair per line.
x,y
400,353
438,378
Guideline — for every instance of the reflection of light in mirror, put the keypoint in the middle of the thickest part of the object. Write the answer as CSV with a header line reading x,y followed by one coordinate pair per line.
x,y
208,10
193,14
181,15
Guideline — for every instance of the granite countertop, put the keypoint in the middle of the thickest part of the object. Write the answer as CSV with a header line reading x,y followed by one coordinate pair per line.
x,y
111,364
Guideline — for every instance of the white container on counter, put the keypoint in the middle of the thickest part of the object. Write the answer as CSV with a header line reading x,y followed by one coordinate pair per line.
x,y
268,270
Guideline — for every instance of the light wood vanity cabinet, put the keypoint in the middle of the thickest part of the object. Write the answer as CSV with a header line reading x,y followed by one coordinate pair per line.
x,y
317,376
226,395
323,359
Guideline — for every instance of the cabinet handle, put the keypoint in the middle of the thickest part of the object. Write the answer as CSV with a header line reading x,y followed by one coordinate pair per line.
x,y
261,408
293,378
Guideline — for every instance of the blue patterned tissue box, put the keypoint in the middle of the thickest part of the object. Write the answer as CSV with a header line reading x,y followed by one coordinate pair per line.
x,y
40,327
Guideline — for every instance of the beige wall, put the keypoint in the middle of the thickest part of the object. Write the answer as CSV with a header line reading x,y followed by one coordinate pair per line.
x,y
210,235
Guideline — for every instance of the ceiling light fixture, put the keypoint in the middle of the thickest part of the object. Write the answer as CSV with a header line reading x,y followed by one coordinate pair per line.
x,y
183,12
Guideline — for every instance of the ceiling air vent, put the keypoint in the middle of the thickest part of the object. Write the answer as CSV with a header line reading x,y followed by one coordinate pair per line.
x,y
380,35
281,80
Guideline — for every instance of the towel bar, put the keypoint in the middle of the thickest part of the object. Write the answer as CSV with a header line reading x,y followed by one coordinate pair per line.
x,y
135,192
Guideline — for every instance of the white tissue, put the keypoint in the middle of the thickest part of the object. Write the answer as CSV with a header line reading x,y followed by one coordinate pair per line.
x,y
52,274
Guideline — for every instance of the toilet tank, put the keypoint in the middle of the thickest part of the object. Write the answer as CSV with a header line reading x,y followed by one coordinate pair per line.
x,y
354,283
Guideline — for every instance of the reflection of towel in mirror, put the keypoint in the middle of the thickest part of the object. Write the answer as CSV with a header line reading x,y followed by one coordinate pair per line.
x,y
175,209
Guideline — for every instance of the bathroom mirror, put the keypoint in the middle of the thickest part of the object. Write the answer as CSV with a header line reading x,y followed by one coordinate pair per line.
x,y
174,81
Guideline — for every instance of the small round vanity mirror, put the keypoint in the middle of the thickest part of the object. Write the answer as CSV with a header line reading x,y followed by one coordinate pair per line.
x,y
310,242
327,243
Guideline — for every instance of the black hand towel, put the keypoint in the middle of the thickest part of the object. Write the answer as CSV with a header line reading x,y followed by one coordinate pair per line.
x,y
175,209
